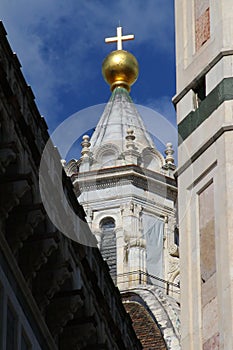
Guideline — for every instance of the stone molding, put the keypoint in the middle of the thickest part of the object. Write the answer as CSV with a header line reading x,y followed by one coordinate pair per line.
x,y
215,60
221,93
154,182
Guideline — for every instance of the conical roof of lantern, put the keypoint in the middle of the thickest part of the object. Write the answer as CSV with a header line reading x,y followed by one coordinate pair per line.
x,y
120,114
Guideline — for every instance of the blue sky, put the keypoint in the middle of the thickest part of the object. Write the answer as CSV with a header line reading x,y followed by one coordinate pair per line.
x,y
60,44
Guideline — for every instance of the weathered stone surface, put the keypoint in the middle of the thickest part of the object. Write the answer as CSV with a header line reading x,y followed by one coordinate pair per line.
x,y
212,343
205,171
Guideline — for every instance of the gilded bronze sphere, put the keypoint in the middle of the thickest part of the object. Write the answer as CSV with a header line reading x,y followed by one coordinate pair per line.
x,y
120,68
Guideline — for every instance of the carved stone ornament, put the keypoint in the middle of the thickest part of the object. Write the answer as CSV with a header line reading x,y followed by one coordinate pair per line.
x,y
173,250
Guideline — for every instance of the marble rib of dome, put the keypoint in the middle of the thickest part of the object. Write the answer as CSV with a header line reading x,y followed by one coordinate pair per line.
x,y
119,115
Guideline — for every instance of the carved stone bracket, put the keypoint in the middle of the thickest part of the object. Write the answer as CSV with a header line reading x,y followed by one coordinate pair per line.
x,y
79,334
173,250
49,282
8,155
173,266
62,309
35,254
11,194
20,232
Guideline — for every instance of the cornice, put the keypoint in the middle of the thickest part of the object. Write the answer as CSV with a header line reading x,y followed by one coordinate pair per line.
x,y
128,175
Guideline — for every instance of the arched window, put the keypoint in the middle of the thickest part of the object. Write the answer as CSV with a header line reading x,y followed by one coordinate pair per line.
x,y
108,244
107,223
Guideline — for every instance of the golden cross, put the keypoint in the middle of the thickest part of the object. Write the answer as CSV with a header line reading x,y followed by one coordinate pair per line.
x,y
119,38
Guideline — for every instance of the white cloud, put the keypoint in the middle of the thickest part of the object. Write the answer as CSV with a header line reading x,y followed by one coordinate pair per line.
x,y
53,38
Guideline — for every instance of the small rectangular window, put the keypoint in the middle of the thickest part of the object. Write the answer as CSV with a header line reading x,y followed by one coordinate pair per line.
x,y
199,92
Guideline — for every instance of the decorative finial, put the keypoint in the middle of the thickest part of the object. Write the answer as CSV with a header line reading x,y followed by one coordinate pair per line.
x,y
169,159
131,154
85,146
169,154
120,68
119,38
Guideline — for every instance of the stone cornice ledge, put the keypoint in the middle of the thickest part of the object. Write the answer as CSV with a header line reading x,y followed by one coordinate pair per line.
x,y
207,68
122,171
221,93
141,178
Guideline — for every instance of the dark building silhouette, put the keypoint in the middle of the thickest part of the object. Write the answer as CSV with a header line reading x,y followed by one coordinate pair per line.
x,y
54,292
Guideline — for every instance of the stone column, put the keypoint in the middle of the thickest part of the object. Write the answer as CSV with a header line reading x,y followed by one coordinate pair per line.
x,y
136,245
121,257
